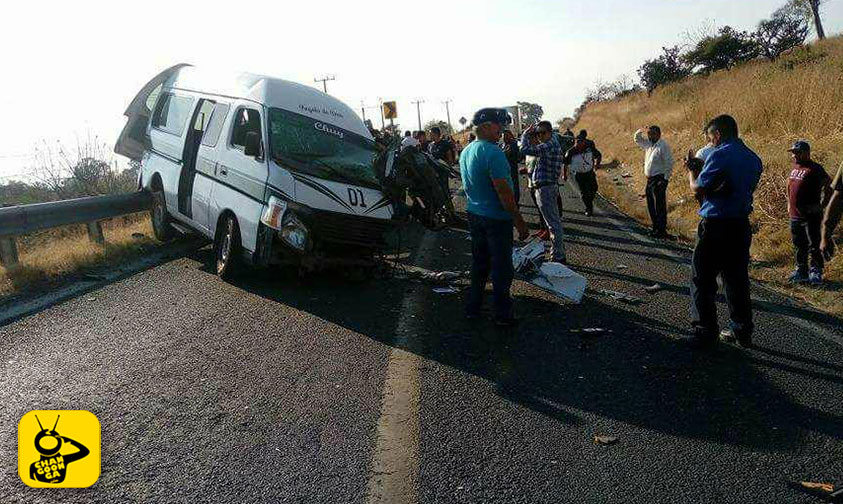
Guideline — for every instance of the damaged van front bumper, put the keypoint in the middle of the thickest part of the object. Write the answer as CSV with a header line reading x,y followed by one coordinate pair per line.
x,y
291,233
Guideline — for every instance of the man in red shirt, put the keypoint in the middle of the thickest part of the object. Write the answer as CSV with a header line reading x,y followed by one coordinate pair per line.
x,y
808,189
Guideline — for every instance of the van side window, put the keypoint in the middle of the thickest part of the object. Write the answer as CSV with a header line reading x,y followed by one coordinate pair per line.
x,y
212,133
245,120
206,108
171,113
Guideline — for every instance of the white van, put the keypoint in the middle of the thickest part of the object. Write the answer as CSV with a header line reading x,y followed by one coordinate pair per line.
x,y
272,171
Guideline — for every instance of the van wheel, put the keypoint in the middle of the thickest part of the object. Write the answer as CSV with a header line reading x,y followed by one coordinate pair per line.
x,y
227,248
161,227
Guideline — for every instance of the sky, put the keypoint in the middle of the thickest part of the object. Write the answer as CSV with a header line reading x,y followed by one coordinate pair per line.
x,y
71,68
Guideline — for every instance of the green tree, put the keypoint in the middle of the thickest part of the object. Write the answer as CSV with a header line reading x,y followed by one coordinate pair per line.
x,y
667,68
784,30
443,126
721,51
531,113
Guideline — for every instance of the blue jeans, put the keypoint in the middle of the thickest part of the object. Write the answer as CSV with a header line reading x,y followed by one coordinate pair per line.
x,y
491,253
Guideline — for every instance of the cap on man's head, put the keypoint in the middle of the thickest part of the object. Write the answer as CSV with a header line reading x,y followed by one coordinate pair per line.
x,y
800,146
582,135
495,115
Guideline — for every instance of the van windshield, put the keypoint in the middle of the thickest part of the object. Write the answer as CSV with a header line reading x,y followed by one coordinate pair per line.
x,y
320,149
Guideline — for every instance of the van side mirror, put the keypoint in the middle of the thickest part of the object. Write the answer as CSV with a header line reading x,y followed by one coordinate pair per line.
x,y
252,145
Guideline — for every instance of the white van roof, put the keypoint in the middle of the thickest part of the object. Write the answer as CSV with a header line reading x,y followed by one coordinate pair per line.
x,y
271,92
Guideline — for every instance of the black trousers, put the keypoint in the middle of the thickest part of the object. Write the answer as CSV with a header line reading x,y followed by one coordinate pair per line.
x,y
587,182
722,249
657,202
806,235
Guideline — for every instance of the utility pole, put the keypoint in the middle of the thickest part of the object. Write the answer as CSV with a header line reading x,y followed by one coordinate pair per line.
x,y
418,103
448,111
363,109
324,80
380,104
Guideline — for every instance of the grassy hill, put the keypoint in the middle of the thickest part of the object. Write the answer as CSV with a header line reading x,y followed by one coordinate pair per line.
x,y
775,103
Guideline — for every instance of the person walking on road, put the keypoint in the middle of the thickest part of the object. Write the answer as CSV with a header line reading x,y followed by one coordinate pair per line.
x,y
581,160
509,145
808,190
658,166
833,212
726,186
546,181
491,208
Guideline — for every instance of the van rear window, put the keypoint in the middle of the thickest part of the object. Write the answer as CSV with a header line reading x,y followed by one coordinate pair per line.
x,y
171,113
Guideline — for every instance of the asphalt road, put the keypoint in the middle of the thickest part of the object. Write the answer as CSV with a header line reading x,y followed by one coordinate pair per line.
x,y
322,389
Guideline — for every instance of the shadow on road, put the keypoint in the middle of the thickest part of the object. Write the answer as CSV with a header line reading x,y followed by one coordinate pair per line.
x,y
634,371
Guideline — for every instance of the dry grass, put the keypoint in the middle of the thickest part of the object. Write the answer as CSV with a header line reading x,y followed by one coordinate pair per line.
x,y
799,96
50,257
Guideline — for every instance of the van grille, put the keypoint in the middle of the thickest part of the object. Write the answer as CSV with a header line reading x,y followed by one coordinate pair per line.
x,y
336,228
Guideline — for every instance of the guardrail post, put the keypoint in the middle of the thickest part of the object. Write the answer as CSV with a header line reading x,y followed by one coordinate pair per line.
x,y
8,251
95,232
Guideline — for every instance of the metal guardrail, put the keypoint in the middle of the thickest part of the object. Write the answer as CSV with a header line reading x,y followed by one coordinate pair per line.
x,y
24,219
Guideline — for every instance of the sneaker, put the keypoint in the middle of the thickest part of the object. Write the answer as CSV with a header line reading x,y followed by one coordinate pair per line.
x,y
815,277
798,276
744,339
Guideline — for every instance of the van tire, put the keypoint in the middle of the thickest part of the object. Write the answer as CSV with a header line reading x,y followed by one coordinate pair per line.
x,y
161,227
227,248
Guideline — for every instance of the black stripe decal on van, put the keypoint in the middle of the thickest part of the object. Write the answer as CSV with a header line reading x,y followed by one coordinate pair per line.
x,y
324,190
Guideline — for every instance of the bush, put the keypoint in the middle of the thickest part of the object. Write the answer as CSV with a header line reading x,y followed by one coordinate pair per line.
x,y
722,51
667,68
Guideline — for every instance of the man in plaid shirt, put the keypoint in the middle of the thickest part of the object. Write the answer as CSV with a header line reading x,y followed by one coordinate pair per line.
x,y
545,180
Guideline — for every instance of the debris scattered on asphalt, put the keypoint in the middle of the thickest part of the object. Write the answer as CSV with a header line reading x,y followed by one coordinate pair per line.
x,y
605,440
445,290
91,299
620,296
621,266
825,487
556,278
653,288
626,175
591,331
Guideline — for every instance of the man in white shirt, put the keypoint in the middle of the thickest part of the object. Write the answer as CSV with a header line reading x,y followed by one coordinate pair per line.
x,y
658,166
408,141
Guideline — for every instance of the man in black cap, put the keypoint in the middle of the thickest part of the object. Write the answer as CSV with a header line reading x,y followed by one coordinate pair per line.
x,y
808,190
490,203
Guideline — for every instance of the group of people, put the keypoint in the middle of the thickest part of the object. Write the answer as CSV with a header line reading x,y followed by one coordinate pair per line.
x,y
723,176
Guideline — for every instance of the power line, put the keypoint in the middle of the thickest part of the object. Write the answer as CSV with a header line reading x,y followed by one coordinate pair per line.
x,y
448,112
324,81
418,103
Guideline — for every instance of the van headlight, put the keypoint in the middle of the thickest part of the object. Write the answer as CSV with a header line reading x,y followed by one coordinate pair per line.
x,y
273,213
293,232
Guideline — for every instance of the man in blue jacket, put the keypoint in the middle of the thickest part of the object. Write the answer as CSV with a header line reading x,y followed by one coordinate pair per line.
x,y
726,185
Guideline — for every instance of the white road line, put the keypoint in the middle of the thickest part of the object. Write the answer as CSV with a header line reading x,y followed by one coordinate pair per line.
x,y
395,463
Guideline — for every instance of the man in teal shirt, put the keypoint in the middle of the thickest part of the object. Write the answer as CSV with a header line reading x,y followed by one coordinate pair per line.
x,y
491,212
